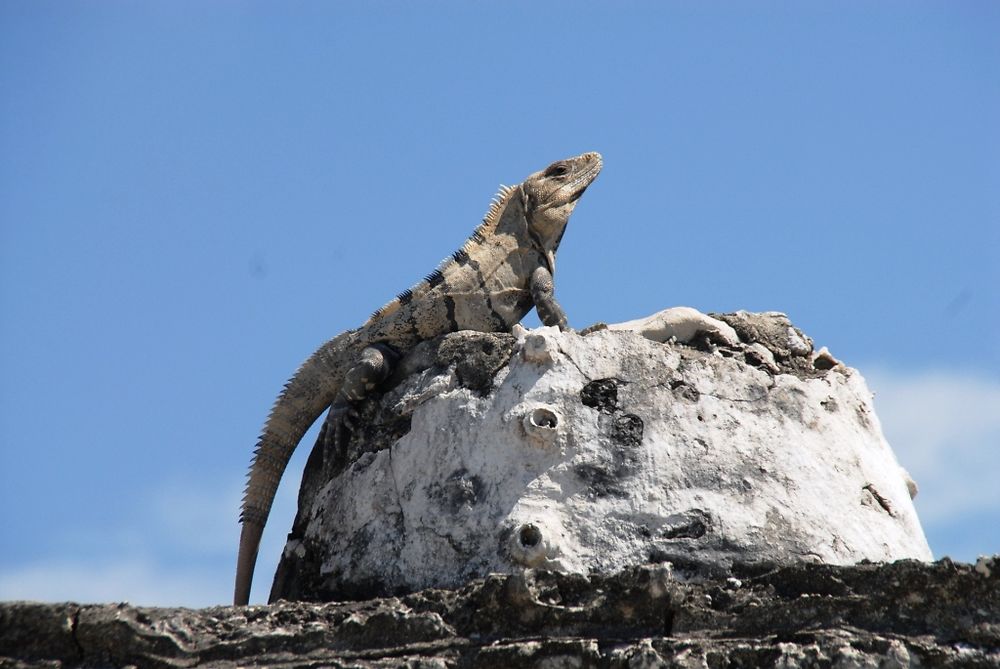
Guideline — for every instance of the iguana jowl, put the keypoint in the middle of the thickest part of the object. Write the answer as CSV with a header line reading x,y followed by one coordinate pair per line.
x,y
488,285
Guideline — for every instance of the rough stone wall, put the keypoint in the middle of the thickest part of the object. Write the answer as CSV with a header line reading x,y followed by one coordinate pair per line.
x,y
905,614
494,453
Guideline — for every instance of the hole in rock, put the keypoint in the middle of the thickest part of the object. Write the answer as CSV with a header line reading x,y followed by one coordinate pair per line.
x,y
530,536
544,418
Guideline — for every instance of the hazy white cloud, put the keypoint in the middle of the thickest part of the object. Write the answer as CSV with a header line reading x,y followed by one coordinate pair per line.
x,y
183,555
202,520
945,429
134,580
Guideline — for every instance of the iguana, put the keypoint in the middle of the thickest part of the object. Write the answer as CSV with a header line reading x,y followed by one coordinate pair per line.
x,y
488,285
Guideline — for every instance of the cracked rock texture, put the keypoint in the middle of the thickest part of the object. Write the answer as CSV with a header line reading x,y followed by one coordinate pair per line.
x,y
493,453
903,614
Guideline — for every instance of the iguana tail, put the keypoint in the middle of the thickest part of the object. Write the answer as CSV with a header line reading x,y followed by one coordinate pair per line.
x,y
309,392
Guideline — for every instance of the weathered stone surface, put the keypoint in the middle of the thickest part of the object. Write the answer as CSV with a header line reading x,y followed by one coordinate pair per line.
x,y
902,614
495,453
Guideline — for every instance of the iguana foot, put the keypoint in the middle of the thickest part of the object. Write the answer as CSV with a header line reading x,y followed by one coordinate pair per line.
x,y
376,363
340,422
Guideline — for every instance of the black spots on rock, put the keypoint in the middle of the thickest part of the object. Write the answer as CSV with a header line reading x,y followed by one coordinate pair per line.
x,y
830,404
861,411
603,481
624,430
449,306
793,581
691,530
682,537
684,391
476,356
792,402
756,358
605,477
628,429
601,395
336,588
683,565
691,524
299,574
461,490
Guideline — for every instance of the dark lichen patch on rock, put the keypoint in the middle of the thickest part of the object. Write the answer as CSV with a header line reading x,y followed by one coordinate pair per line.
x,y
684,390
603,479
460,490
692,524
606,477
601,394
624,428
627,429
298,575
624,432
476,356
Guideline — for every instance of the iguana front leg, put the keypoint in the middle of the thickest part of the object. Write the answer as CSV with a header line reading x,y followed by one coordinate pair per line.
x,y
543,293
376,364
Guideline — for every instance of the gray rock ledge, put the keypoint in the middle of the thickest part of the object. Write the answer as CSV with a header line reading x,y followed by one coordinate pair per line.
x,y
902,614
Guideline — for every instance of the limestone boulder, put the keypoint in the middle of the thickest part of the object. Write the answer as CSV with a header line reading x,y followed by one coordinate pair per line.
x,y
655,441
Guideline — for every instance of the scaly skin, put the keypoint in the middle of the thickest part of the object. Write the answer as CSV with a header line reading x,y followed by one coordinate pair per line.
x,y
503,270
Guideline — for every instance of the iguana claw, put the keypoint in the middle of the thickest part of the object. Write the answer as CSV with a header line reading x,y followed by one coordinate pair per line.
x,y
340,422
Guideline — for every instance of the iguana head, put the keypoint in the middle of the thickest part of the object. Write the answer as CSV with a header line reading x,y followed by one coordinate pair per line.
x,y
549,197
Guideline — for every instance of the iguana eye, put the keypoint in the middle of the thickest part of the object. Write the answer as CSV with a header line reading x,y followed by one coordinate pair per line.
x,y
557,170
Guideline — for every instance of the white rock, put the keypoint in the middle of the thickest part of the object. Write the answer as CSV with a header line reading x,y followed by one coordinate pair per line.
x,y
599,452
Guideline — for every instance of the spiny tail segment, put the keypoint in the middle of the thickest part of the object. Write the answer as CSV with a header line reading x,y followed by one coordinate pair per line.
x,y
309,392
461,256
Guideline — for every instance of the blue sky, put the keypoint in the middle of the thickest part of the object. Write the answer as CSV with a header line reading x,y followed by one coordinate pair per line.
x,y
193,196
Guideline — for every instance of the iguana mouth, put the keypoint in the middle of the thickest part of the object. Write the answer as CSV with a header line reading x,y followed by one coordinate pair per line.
x,y
587,177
